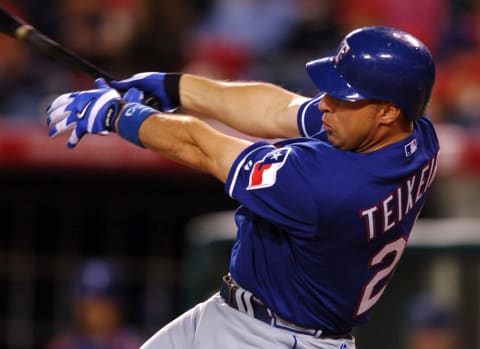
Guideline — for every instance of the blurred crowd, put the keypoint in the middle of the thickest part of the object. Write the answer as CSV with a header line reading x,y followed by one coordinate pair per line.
x,y
233,39
97,310
431,324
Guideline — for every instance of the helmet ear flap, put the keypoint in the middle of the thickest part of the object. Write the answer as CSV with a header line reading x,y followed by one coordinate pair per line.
x,y
378,63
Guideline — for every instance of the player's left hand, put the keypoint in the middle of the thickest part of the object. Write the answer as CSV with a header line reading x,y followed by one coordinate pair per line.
x,y
92,111
163,86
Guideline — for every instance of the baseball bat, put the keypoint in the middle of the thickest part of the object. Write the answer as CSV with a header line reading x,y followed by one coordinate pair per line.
x,y
21,30
17,28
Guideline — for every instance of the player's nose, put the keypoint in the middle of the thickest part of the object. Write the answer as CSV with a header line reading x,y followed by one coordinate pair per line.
x,y
325,105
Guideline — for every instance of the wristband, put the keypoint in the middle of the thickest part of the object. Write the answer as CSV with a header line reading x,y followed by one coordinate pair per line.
x,y
171,83
131,118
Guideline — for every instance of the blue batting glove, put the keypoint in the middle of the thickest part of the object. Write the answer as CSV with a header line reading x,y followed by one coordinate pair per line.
x,y
92,111
164,86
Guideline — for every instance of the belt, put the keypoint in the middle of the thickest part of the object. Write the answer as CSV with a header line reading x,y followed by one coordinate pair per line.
x,y
245,302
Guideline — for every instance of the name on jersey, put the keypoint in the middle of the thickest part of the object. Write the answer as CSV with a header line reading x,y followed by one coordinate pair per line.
x,y
264,172
399,203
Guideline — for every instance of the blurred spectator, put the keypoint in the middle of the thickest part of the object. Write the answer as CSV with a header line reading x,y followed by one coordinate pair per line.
x,y
217,58
101,31
472,20
26,77
430,325
19,86
21,83
97,294
456,97
464,30
427,20
235,34
261,26
316,29
315,33
159,41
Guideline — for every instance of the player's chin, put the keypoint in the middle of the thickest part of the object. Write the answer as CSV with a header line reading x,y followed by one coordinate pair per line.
x,y
333,139
338,143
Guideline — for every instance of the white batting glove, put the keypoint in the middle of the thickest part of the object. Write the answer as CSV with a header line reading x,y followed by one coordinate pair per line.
x,y
92,111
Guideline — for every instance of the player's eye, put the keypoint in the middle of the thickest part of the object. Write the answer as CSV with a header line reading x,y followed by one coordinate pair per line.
x,y
353,105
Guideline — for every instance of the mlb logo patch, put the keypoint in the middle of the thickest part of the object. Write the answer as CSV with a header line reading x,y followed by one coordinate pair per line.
x,y
264,172
411,148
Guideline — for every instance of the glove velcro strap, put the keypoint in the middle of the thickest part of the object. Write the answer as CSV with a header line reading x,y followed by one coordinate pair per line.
x,y
131,118
112,114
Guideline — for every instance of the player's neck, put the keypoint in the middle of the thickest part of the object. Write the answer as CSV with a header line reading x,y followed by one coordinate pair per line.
x,y
389,135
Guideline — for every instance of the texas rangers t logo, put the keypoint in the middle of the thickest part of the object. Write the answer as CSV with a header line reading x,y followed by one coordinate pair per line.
x,y
342,51
264,172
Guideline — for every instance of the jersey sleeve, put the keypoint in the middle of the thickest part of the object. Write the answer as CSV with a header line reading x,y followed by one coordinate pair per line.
x,y
309,118
273,183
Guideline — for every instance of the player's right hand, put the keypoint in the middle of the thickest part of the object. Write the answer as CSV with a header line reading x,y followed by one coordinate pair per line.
x,y
156,84
92,111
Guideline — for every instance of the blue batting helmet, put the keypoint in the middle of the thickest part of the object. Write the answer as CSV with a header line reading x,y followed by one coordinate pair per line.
x,y
97,278
378,63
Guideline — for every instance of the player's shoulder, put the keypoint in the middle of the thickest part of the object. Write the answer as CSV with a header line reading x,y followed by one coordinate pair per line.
x,y
425,122
426,128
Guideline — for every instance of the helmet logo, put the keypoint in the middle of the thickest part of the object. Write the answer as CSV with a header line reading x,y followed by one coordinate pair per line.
x,y
342,51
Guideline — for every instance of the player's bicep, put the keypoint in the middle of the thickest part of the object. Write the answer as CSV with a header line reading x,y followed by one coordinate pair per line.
x,y
223,154
269,182
286,119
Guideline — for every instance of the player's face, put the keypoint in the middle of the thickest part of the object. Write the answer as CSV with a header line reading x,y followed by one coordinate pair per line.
x,y
351,125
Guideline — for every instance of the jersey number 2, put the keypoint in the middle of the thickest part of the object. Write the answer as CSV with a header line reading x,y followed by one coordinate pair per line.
x,y
368,297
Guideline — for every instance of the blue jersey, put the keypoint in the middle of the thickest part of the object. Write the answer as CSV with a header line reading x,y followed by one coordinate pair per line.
x,y
321,230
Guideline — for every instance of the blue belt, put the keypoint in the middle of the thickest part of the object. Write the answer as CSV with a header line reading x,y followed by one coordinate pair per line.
x,y
245,302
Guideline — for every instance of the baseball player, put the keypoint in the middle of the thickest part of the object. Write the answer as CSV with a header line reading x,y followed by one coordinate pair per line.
x,y
325,213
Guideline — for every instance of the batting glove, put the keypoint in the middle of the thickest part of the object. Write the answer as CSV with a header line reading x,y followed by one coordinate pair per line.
x,y
163,86
92,111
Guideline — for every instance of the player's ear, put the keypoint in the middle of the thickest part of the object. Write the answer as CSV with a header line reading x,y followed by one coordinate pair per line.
x,y
389,113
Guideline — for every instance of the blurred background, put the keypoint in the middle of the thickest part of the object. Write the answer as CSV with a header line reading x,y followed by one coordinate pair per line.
x,y
102,245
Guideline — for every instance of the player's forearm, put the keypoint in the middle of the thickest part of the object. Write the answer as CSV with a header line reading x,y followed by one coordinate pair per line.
x,y
255,108
191,142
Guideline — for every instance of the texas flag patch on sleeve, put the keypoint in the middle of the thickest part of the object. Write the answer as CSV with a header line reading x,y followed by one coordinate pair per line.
x,y
264,172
